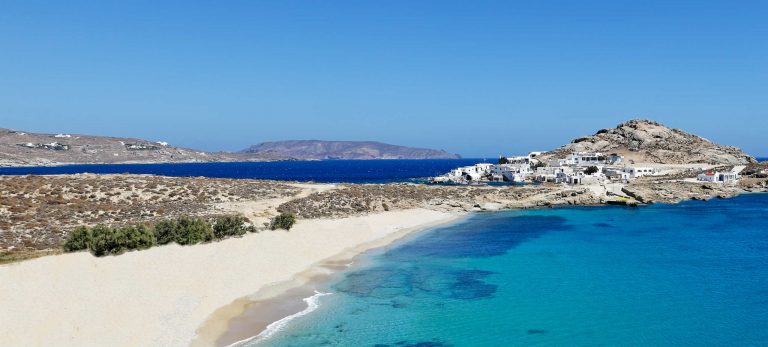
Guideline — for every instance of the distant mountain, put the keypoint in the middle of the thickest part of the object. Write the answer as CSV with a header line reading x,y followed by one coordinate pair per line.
x,y
19,148
650,142
319,150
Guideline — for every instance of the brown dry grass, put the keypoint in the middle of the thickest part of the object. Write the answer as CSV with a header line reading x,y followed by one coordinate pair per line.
x,y
37,212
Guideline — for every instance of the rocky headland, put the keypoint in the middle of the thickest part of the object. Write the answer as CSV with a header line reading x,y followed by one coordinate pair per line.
x,y
646,141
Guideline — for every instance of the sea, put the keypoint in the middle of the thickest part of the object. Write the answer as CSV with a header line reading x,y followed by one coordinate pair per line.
x,y
326,171
689,274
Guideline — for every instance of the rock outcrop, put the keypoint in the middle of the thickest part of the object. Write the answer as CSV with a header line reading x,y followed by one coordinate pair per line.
x,y
650,142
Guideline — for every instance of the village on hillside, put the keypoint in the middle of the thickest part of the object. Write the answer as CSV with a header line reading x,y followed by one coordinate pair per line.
x,y
577,168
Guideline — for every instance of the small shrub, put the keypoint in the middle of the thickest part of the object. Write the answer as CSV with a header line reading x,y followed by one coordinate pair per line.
x,y
591,170
192,230
227,226
103,241
106,240
78,240
165,231
283,221
136,237
183,230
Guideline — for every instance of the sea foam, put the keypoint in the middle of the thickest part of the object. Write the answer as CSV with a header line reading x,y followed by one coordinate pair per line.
x,y
313,302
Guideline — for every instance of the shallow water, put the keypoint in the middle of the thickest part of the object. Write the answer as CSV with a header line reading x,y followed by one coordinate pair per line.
x,y
692,274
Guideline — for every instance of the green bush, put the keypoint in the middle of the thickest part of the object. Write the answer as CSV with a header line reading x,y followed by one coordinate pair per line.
x,y
165,231
78,239
283,221
137,237
190,231
227,226
183,230
106,240
590,170
102,240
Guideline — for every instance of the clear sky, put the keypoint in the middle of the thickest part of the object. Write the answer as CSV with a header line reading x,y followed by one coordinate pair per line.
x,y
479,78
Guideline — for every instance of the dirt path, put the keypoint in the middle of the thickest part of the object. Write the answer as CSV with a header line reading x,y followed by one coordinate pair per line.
x,y
262,211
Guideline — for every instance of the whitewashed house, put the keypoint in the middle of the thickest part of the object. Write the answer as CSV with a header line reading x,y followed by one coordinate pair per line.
x,y
640,171
470,173
719,177
617,174
556,174
587,159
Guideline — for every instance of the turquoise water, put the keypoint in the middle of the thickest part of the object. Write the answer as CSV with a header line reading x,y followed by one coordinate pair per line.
x,y
693,274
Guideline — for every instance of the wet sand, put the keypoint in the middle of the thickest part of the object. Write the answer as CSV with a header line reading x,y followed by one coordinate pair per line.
x,y
248,318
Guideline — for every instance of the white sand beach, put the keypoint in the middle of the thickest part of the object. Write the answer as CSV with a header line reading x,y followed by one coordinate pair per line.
x,y
159,297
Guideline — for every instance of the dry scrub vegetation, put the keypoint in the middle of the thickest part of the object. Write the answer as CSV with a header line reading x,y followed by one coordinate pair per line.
x,y
369,198
36,212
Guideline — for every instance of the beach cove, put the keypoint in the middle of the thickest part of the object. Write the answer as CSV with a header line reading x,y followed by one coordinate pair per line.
x,y
688,274
159,297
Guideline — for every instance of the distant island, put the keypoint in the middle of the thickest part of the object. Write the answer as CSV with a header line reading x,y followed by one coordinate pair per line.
x,y
23,148
323,150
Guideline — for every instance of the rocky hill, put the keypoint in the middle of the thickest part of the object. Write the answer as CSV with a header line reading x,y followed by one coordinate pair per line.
x,y
319,150
18,148
650,142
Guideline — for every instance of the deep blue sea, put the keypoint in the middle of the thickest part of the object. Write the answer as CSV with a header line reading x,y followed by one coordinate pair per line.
x,y
332,171
351,171
692,274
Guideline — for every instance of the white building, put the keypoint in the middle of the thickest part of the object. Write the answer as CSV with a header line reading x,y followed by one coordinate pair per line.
x,y
719,177
579,176
639,171
523,159
617,174
552,173
470,173
513,172
588,159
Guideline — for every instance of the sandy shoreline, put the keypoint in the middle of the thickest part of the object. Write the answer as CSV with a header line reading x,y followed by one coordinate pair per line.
x,y
162,296
246,317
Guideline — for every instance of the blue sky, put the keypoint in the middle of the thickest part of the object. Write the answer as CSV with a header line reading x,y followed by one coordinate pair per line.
x,y
479,78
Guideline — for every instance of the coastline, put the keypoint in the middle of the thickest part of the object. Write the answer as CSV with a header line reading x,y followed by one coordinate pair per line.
x,y
259,316
247,318
162,296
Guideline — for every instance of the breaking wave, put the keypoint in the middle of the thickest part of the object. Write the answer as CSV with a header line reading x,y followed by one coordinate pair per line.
x,y
313,302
